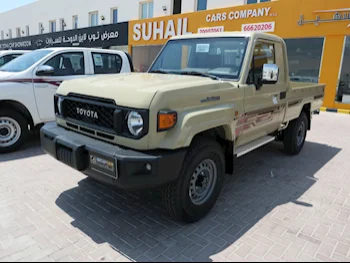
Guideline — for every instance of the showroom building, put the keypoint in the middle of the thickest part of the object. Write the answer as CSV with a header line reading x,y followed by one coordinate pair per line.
x,y
49,16
317,33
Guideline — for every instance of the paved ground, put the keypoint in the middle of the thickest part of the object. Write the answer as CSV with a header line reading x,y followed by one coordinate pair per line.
x,y
277,208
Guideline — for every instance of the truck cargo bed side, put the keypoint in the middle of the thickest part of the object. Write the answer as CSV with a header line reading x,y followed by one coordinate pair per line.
x,y
301,94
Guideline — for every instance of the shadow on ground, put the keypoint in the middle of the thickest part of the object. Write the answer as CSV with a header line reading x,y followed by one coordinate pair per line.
x,y
30,149
136,225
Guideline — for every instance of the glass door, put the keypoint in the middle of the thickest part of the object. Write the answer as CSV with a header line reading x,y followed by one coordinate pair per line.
x,y
343,91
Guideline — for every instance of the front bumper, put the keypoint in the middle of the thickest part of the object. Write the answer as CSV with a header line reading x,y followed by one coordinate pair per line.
x,y
110,164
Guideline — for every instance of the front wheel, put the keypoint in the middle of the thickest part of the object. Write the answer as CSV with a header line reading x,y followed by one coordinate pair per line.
x,y
201,180
13,130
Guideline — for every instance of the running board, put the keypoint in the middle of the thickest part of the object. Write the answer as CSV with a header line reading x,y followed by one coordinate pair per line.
x,y
244,149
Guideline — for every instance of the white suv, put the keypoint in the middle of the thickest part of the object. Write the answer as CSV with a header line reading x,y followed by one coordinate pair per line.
x,y
9,55
28,85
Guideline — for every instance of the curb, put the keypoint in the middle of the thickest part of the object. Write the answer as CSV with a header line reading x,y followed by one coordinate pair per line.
x,y
335,110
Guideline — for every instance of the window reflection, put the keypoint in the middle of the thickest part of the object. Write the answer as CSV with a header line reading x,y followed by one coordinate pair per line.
x,y
143,56
343,92
304,56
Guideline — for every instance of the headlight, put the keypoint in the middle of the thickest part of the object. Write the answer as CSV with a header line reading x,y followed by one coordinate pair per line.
x,y
135,123
59,105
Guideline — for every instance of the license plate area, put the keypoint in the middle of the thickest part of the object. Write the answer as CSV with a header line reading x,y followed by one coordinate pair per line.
x,y
103,164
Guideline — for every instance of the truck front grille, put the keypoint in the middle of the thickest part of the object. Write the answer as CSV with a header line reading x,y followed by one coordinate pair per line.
x,y
89,113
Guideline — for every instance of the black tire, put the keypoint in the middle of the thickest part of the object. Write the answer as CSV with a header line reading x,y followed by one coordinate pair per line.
x,y
297,127
23,124
176,196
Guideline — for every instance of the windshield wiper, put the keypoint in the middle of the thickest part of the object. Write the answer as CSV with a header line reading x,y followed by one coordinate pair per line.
x,y
202,74
159,71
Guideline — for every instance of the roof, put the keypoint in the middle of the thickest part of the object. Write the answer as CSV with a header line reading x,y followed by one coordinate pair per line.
x,y
79,49
228,34
13,51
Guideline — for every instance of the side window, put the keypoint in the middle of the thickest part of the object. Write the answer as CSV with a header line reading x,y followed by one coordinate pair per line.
x,y
2,61
264,53
6,59
68,64
16,56
105,63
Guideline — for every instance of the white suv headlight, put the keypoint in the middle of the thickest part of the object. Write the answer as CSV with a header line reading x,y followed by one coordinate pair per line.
x,y
59,105
135,123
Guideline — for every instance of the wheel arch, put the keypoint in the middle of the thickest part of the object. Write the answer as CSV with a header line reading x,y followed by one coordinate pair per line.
x,y
18,107
307,109
222,135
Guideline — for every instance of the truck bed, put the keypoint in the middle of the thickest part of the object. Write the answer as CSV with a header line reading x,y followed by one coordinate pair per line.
x,y
303,93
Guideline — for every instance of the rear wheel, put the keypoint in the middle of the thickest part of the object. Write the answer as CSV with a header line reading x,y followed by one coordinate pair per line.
x,y
13,130
202,176
295,135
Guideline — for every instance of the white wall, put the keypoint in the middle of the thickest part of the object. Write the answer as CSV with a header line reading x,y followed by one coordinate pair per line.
x,y
188,6
43,11
224,3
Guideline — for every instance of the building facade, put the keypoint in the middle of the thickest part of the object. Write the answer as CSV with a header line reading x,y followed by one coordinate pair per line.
x,y
317,32
49,16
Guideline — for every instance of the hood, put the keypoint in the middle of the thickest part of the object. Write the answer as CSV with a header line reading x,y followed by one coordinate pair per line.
x,y
6,75
135,90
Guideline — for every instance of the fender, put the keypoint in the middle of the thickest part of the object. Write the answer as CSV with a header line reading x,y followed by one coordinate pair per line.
x,y
23,94
192,123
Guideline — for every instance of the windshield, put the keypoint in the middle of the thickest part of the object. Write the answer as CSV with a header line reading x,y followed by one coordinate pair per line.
x,y
25,61
219,57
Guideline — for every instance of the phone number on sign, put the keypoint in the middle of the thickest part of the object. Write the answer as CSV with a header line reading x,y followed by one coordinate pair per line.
x,y
266,27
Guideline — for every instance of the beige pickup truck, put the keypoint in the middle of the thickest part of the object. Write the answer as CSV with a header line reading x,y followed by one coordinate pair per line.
x,y
207,100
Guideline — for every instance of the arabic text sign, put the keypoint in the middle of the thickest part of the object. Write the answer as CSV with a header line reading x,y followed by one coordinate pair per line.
x,y
100,36
338,15
259,27
82,38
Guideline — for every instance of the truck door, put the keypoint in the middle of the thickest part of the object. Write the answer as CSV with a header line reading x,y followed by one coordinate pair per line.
x,y
66,65
261,103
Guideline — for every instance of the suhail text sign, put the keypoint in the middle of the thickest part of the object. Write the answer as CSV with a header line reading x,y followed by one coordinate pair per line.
x,y
160,29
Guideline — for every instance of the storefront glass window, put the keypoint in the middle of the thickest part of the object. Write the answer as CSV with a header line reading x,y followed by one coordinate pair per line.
x,y
143,56
201,5
343,92
304,56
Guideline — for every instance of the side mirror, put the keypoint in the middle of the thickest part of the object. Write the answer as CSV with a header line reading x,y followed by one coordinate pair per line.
x,y
45,71
270,74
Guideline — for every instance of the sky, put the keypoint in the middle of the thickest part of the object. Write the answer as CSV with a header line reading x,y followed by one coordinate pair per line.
x,y
8,5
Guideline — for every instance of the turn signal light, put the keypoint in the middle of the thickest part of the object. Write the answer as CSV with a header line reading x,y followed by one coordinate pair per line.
x,y
166,120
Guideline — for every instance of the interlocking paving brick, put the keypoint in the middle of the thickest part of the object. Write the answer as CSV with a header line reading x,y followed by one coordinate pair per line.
x,y
275,208
253,258
244,250
42,254
311,249
306,258
261,250
63,252
323,258
23,254
326,249
342,249
271,258
289,258
340,258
